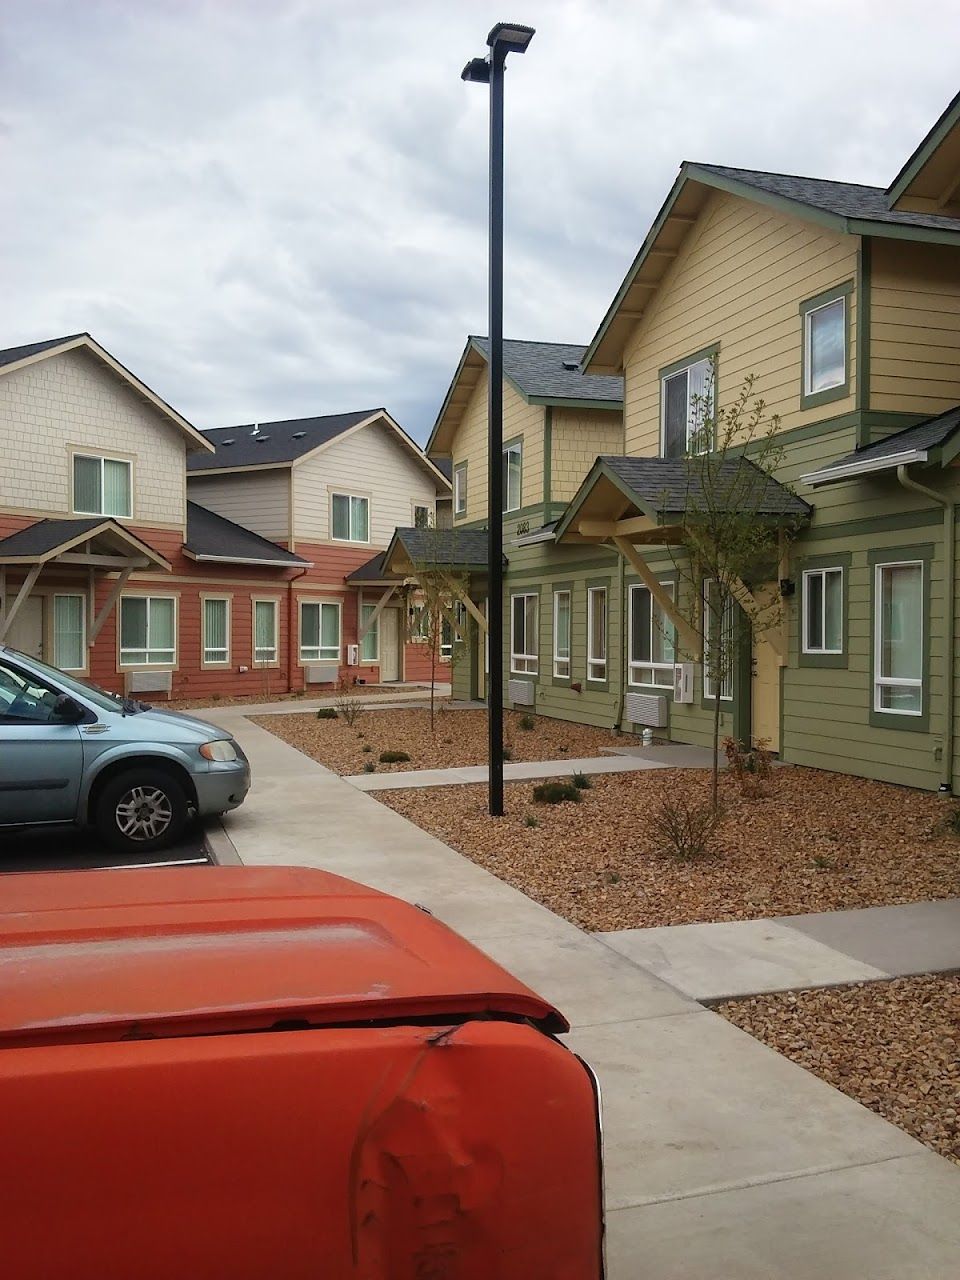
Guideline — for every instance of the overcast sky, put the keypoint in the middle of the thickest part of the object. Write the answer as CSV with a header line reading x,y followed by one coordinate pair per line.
x,y
277,209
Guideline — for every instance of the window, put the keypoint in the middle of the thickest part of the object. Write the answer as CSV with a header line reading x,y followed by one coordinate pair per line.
x,y
101,486
561,634
825,342
686,405
652,639
823,610
596,633
512,469
370,644
419,624
216,632
525,625
265,631
898,638
722,628
447,634
24,699
422,516
148,629
351,518
459,488
319,631
69,633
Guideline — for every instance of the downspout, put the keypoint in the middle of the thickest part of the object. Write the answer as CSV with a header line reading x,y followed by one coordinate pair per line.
x,y
949,559
624,640
292,630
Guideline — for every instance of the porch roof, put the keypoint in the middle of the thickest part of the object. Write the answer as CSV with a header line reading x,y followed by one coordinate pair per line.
x,y
373,572
214,537
49,539
463,549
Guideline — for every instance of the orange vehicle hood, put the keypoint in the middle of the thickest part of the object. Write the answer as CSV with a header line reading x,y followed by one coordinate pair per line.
x,y
110,955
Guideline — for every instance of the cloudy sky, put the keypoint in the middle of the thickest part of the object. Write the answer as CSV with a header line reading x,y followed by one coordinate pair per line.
x,y
270,210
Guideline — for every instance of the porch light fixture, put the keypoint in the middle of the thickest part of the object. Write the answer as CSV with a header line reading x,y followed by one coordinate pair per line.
x,y
504,38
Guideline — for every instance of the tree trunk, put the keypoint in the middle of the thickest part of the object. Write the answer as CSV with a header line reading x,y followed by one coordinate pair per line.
x,y
715,781
433,674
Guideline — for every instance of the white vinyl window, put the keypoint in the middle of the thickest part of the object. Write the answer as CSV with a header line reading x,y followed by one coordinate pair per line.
x,y
423,516
512,471
319,631
596,633
69,633
711,626
524,634
101,486
265,629
825,347
460,488
350,518
148,630
216,632
561,634
652,639
447,633
370,644
686,404
823,610
898,638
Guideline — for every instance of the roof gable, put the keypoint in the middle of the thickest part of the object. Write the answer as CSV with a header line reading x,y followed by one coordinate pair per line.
x,y
932,174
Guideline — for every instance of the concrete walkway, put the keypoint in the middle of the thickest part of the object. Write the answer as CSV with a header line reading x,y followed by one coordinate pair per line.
x,y
724,1161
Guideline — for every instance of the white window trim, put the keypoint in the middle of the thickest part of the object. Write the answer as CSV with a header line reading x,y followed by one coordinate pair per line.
x,y
459,488
515,446
431,510
808,346
352,497
882,682
668,585
84,602
531,661
593,661
374,628
805,630
219,663
261,663
692,364
101,458
319,601
707,682
169,664
559,658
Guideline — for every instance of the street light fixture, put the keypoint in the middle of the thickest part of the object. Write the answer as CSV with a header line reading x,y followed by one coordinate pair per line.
x,y
506,37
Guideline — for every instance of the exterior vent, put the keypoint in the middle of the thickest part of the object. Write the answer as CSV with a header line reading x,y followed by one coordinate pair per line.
x,y
149,681
322,673
646,708
262,439
298,435
521,692
225,442
571,365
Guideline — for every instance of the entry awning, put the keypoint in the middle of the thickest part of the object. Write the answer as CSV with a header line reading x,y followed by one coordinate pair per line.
x,y
457,550
93,541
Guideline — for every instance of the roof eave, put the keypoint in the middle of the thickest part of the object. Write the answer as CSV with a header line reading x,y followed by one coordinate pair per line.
x,y
949,117
572,402
273,564
869,467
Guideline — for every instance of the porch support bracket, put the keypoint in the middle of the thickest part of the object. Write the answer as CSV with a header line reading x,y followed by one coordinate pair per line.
x,y
378,609
109,603
26,587
688,636
773,636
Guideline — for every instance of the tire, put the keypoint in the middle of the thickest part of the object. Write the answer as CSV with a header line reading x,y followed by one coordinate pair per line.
x,y
141,810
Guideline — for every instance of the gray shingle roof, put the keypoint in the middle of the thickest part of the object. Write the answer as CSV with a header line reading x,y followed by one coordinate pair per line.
x,y
538,370
10,355
845,199
211,535
37,539
454,547
925,435
283,441
666,485
371,570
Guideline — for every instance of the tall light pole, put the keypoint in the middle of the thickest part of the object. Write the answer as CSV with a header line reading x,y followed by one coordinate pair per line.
x,y
506,37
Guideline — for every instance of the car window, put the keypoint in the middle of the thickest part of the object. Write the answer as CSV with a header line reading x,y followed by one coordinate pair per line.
x,y
24,699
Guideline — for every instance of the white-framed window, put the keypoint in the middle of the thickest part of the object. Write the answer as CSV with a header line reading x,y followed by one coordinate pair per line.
x,y
711,625
825,346
370,644
447,634
266,620
148,631
319,631
69,632
596,633
686,404
349,518
459,488
652,639
102,486
512,472
423,515
898,638
524,634
216,631
561,634
823,610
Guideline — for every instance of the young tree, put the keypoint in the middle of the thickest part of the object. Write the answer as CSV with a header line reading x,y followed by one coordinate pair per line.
x,y
440,586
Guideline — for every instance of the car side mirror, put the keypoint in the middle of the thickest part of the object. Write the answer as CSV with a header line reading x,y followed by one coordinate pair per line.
x,y
67,710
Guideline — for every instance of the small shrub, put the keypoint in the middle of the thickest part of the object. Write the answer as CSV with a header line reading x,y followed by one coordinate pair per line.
x,y
366,747
952,821
215,697
612,877
750,766
393,757
349,707
507,753
684,826
526,722
582,782
327,713
563,747
556,793
821,862
447,741
531,820
368,766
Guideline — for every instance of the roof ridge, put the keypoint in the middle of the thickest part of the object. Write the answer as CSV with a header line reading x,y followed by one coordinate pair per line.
x,y
313,417
531,342
777,173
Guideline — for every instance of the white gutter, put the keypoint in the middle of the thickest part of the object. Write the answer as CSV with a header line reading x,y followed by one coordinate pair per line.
x,y
852,469
530,539
274,564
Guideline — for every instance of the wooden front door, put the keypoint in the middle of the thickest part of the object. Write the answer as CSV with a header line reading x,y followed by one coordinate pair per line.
x,y
390,644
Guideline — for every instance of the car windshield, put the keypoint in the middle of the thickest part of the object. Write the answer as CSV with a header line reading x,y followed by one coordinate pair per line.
x,y
98,697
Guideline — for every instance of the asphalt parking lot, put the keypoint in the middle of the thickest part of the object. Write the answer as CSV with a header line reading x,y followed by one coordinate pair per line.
x,y
70,850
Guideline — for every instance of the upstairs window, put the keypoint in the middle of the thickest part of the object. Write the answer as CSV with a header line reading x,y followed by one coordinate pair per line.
x,y
351,518
422,516
686,406
459,488
101,486
512,471
825,357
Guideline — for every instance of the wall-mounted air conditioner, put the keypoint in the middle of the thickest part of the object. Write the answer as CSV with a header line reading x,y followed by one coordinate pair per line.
x,y
148,681
646,708
683,682
322,673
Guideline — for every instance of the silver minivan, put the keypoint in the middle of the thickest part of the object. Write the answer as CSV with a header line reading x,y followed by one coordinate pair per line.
x,y
71,753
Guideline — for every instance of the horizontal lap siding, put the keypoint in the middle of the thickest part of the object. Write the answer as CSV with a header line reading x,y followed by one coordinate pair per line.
x,y
258,500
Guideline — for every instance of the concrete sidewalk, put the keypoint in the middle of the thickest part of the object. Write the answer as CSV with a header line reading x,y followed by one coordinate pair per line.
x,y
724,1161
513,771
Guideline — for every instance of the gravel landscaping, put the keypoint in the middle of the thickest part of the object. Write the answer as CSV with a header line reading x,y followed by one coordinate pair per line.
x,y
312,695
891,1045
816,842
460,738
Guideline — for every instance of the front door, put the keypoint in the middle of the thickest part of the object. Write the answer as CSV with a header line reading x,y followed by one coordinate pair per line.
x,y
41,758
26,631
390,644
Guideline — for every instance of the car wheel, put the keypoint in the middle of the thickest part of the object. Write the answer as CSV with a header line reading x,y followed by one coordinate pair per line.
x,y
141,810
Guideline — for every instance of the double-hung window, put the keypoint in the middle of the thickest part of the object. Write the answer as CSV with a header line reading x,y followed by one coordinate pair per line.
x,y
898,638
686,408
370,644
596,633
265,629
148,631
512,470
216,631
319,631
524,632
101,486
823,610
350,518
719,636
69,633
561,634
652,639
459,488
